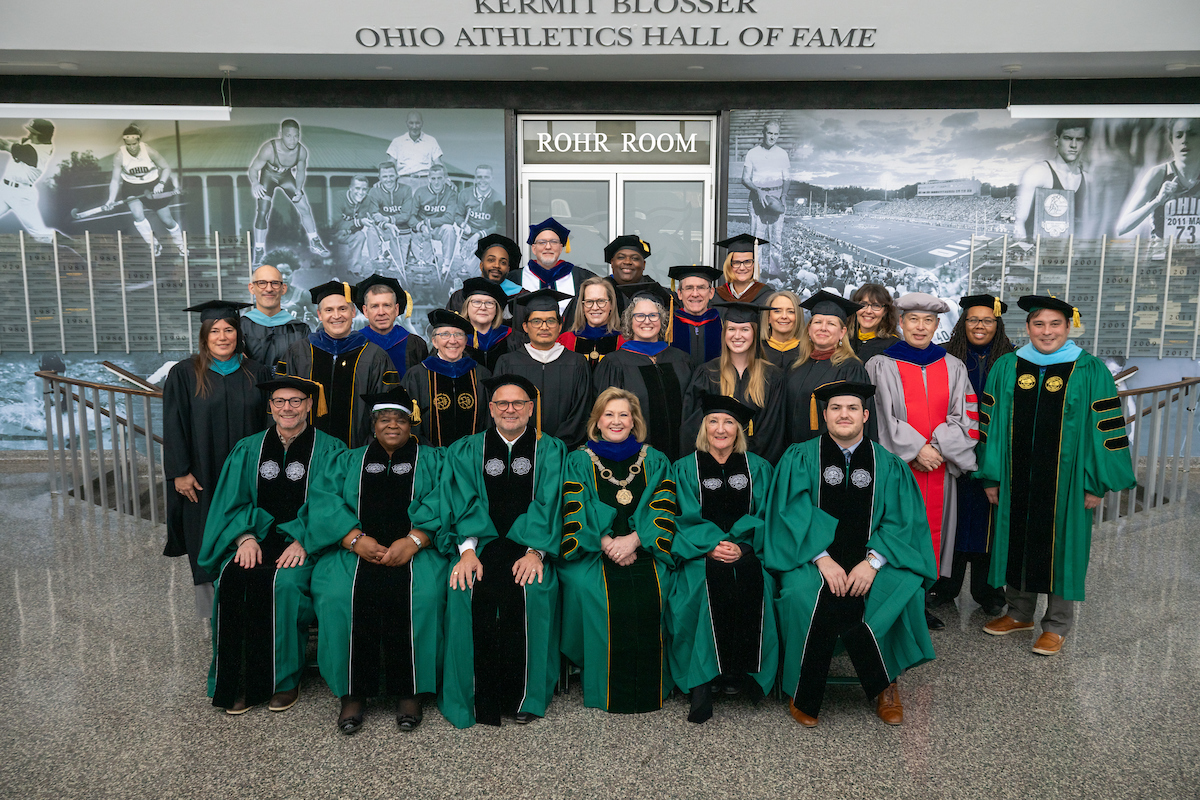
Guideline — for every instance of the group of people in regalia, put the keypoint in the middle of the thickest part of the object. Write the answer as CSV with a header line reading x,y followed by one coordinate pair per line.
x,y
710,486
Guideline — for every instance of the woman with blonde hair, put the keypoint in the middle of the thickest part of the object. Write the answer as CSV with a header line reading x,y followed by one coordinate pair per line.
x,y
741,268
742,373
596,322
720,614
780,326
618,523
823,355
483,306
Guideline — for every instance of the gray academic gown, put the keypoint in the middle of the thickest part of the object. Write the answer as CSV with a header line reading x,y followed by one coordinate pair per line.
x,y
954,436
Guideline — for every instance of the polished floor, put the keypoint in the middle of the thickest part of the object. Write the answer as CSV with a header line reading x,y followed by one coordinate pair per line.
x,y
102,667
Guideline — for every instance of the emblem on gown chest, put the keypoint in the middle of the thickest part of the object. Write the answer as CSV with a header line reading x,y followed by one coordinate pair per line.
x,y
739,481
1026,381
375,468
1054,384
441,401
493,467
403,468
624,497
834,476
712,484
269,470
294,471
466,401
521,466
860,478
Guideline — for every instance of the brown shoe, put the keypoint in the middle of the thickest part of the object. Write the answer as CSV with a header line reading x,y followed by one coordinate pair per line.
x,y
282,701
1048,644
800,716
239,707
1005,625
888,707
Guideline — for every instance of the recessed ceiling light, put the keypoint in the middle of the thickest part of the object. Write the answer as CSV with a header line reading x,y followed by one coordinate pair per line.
x,y
1178,67
68,65
695,66
854,66
1011,68
539,69
383,67
227,67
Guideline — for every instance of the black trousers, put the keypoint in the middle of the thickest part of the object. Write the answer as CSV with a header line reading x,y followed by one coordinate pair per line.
x,y
498,633
949,588
834,618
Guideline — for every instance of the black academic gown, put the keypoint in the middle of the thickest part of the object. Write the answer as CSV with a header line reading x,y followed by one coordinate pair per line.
x,y
769,437
592,350
871,347
780,358
701,341
805,417
267,345
451,407
488,358
198,433
566,388
659,385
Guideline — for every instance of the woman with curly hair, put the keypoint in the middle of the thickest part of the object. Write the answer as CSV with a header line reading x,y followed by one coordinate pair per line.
x,y
873,327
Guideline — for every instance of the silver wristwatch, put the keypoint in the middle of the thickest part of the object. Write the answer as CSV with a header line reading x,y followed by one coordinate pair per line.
x,y
874,561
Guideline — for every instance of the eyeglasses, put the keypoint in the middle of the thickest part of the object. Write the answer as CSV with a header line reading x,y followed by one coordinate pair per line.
x,y
450,335
981,322
546,242
874,306
595,303
652,316
490,305
290,402
265,284
744,263
542,323
515,405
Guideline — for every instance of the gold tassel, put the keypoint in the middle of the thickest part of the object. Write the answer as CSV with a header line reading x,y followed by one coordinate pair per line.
x,y
812,412
750,429
346,292
415,416
409,307
567,245
1075,320
756,268
322,409
670,321
538,400
996,307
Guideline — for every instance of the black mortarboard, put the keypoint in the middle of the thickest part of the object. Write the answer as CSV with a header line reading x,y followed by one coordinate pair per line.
x,y
310,388
499,240
738,312
719,403
402,297
473,286
550,224
997,305
219,309
319,293
627,242
742,243
863,391
710,274
1034,302
441,318
395,399
828,303
541,300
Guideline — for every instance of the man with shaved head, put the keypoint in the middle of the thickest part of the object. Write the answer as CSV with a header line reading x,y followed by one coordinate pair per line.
x,y
268,330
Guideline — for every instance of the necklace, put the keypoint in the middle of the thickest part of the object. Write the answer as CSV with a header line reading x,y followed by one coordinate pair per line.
x,y
624,496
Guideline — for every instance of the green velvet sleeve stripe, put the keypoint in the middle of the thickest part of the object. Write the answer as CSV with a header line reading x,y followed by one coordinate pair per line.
x,y
1119,443
663,544
572,507
569,544
572,487
572,527
985,418
988,400
1106,404
1111,424
391,378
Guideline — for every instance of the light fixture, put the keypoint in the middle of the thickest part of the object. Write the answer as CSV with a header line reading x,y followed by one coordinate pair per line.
x,y
383,67
539,69
1181,67
695,66
102,111
1113,111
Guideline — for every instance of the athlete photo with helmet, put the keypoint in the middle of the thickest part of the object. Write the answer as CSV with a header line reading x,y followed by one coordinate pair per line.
x,y
281,164
139,172
30,155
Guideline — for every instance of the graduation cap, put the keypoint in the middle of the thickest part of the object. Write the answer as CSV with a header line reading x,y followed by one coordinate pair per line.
x,y
826,392
319,293
742,243
310,388
497,382
627,242
395,399
1034,302
830,304
443,318
218,309
997,305
654,291
473,286
403,298
720,404
550,224
499,240
922,302
740,312
541,300
710,274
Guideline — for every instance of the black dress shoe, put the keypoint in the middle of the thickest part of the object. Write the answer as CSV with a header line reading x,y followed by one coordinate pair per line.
x,y
933,623
701,710
349,723
524,717
407,719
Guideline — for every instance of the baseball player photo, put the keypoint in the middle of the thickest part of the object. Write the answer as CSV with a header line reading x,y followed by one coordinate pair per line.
x,y
29,157
766,174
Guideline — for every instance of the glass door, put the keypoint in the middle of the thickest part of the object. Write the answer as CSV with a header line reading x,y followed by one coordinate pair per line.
x,y
672,213
584,206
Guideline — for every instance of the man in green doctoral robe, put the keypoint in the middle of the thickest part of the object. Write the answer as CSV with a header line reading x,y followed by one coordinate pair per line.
x,y
504,491
253,544
846,530
1052,442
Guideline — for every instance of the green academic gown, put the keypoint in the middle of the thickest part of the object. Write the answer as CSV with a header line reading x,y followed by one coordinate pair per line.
x,y
694,651
235,510
539,526
1045,439
337,505
797,531
607,629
